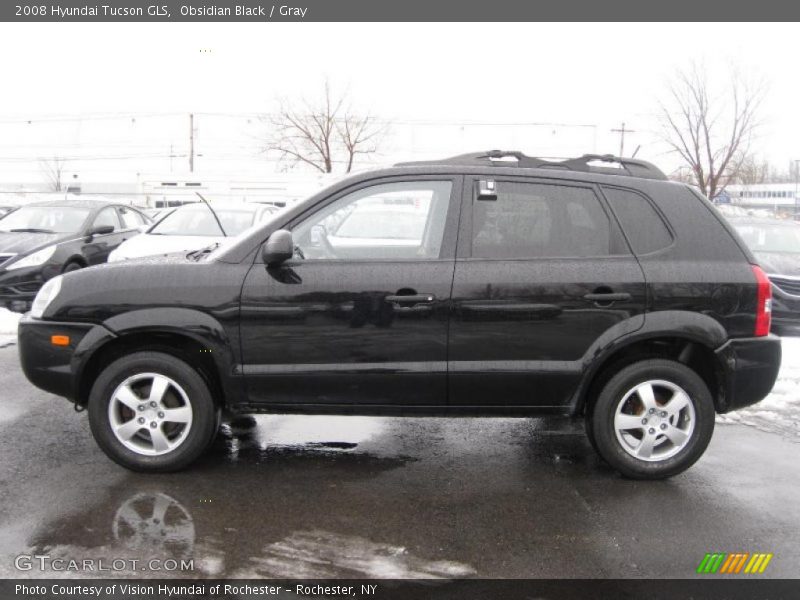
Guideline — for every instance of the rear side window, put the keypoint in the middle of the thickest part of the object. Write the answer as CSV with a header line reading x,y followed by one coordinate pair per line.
x,y
532,220
644,227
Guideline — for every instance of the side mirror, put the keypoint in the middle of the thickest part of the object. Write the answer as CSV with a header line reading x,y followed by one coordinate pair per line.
x,y
278,248
144,228
100,230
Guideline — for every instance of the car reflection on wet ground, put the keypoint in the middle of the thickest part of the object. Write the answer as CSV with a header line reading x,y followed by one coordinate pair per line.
x,y
316,497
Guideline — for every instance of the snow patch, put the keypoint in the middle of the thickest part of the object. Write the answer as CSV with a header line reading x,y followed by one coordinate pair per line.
x,y
8,323
780,411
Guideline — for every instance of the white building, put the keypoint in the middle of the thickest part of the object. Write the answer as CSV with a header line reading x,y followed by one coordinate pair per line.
x,y
763,195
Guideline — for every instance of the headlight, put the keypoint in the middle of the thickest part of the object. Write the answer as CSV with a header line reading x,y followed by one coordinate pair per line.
x,y
45,296
33,260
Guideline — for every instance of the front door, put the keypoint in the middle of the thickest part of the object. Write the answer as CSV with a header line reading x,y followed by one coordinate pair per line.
x,y
97,250
543,274
360,314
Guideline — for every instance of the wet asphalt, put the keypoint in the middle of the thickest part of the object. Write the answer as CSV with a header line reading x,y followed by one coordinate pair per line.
x,y
355,497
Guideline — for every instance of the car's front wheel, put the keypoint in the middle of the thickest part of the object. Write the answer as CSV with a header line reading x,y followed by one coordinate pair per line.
x,y
653,419
151,411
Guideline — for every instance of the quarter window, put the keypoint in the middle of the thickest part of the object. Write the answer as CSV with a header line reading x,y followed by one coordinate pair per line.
x,y
404,220
641,223
531,220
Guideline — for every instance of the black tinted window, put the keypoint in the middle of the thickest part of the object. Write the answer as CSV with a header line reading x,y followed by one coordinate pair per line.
x,y
644,227
531,220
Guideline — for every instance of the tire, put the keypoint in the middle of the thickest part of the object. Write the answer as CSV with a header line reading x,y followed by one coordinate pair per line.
x,y
161,438
661,441
71,266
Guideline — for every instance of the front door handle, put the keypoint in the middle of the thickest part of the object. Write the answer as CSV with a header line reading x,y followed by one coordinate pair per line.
x,y
607,297
411,299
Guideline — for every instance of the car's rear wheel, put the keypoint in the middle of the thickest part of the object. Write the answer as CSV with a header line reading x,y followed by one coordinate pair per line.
x,y
151,411
653,419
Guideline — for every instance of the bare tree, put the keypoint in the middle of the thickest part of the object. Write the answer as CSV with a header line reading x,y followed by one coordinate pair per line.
x,y
711,133
324,133
754,171
359,135
52,170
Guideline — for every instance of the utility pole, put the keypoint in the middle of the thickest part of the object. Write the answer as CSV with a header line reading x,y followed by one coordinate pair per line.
x,y
191,142
622,131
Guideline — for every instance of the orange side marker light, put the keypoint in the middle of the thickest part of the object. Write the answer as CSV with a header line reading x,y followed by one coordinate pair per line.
x,y
59,340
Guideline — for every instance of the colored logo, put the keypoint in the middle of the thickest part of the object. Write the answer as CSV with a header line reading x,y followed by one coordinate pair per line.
x,y
735,563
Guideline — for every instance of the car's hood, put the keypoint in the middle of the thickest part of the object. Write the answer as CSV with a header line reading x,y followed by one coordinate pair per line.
x,y
779,263
24,243
147,244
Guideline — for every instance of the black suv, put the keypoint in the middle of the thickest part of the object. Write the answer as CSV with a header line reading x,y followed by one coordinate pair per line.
x,y
491,284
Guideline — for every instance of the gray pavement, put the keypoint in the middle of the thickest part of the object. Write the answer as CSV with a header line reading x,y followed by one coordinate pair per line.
x,y
386,497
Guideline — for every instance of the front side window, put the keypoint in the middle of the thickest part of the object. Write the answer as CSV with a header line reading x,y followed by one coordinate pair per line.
x,y
107,216
532,220
403,220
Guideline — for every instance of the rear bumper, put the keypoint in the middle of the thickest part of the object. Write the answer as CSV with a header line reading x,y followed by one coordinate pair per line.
x,y
749,368
57,369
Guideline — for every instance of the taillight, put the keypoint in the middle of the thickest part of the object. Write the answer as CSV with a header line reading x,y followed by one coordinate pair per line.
x,y
764,305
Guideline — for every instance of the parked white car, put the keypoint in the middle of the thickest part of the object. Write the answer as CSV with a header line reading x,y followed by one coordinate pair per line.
x,y
192,227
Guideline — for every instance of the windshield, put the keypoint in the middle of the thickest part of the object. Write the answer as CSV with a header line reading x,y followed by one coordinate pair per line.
x,y
390,226
199,220
45,219
768,237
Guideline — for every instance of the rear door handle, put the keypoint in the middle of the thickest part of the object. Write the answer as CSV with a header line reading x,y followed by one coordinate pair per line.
x,y
607,297
411,299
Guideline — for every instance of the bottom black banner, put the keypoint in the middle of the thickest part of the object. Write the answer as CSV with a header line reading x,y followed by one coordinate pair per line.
x,y
388,589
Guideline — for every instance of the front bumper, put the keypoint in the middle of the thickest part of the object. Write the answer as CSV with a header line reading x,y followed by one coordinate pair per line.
x,y
19,287
57,369
749,368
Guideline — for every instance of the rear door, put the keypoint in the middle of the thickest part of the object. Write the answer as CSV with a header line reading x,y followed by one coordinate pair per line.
x,y
359,315
543,274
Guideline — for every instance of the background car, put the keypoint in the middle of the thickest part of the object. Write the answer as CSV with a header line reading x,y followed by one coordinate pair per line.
x,y
41,240
776,245
7,208
193,227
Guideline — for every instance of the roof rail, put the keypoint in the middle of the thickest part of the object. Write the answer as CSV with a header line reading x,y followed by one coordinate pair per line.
x,y
512,158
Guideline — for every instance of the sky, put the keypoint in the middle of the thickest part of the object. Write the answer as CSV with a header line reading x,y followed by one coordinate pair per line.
x,y
124,91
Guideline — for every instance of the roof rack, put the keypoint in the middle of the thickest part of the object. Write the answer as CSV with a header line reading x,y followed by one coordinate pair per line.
x,y
512,158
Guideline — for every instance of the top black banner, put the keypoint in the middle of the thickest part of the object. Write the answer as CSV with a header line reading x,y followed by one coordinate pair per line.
x,y
400,10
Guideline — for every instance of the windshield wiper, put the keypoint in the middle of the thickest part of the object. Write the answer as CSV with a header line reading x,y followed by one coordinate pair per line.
x,y
31,230
198,254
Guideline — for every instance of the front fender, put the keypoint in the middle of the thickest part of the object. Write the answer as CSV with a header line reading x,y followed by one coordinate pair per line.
x,y
199,326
